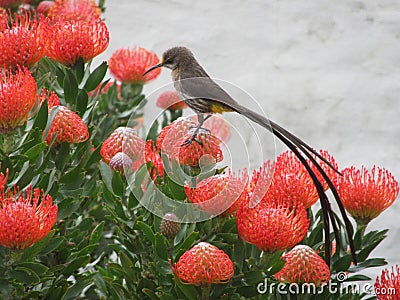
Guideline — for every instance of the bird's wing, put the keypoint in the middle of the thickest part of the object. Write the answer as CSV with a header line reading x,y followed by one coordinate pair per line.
x,y
205,88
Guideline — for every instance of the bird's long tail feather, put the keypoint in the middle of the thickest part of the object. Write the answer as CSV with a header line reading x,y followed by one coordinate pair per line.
x,y
300,148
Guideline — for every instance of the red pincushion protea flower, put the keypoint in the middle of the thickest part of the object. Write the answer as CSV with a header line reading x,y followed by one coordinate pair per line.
x,y
123,139
68,125
73,39
218,127
170,100
303,265
151,155
388,286
74,10
365,194
272,225
17,98
173,136
24,40
23,220
128,65
291,178
218,194
203,264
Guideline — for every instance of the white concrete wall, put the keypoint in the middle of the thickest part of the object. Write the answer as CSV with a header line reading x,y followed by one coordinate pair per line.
x,y
329,71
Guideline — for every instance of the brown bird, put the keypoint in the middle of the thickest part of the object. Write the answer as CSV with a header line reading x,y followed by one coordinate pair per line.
x,y
206,97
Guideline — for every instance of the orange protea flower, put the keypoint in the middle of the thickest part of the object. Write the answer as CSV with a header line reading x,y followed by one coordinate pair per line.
x,y
74,10
17,98
291,178
365,194
218,194
123,139
128,65
388,286
218,127
272,225
24,40
73,39
69,126
23,221
203,264
303,265
170,100
173,136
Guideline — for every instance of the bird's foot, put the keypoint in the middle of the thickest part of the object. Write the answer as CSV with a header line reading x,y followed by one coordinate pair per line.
x,y
203,129
191,140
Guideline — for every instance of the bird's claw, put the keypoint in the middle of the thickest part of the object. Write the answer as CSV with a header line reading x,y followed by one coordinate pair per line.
x,y
190,140
208,131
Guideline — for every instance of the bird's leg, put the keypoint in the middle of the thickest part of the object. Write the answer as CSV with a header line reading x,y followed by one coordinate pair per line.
x,y
201,119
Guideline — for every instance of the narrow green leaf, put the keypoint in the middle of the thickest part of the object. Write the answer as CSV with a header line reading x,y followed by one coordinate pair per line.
x,y
75,264
41,117
32,251
117,183
160,246
148,232
96,233
38,268
25,275
96,77
70,87
82,102
188,242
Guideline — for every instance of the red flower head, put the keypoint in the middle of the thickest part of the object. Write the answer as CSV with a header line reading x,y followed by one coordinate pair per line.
x,y
128,65
204,264
388,286
69,126
272,225
174,135
17,98
24,40
303,265
218,194
44,7
365,194
291,178
123,139
9,3
170,100
23,221
73,39
74,10
218,127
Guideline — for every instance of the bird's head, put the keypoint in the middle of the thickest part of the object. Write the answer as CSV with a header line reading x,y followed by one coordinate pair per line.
x,y
173,58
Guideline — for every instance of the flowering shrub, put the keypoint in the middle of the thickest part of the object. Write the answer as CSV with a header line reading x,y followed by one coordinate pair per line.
x,y
76,178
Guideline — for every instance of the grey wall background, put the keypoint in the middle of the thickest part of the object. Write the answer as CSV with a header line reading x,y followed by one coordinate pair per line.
x,y
326,70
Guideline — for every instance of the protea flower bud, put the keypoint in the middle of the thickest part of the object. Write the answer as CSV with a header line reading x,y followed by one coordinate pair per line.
x,y
203,264
170,225
303,265
120,161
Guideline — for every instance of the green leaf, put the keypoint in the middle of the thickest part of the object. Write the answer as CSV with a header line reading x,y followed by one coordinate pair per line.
x,y
188,290
75,290
35,151
118,186
75,264
160,246
106,175
82,102
32,251
70,87
79,69
96,77
343,263
41,117
25,275
148,232
96,234
38,268
253,277
188,242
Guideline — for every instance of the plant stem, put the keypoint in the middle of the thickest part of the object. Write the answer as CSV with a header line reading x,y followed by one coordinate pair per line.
x,y
205,291
8,142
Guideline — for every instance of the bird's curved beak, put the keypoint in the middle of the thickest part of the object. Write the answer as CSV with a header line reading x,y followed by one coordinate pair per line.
x,y
153,68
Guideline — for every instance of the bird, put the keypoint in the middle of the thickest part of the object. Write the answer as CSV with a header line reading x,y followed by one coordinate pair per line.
x,y
205,97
